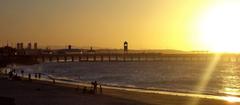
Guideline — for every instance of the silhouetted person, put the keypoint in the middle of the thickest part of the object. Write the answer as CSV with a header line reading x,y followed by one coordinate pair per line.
x,y
13,73
53,81
29,76
100,89
94,86
39,75
22,72
10,74
36,75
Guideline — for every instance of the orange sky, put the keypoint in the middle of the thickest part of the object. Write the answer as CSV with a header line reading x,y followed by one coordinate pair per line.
x,y
145,24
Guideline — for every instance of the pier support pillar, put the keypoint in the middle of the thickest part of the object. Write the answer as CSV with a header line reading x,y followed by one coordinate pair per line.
x,y
101,58
79,59
87,58
94,58
57,59
65,59
72,59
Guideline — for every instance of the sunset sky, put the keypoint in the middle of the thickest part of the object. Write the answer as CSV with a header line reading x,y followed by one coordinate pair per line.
x,y
145,24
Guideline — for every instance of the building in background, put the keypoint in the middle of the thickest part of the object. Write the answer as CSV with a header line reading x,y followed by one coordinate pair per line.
x,y
35,46
125,45
29,46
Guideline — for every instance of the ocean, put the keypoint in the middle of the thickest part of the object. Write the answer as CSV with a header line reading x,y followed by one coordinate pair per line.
x,y
184,77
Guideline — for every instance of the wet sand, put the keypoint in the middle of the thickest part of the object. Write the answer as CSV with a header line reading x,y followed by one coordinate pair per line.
x,y
39,93
36,92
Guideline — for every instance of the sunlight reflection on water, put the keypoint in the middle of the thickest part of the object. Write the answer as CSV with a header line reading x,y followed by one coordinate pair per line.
x,y
231,99
231,81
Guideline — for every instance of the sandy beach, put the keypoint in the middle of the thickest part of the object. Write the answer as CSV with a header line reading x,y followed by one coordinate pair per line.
x,y
37,92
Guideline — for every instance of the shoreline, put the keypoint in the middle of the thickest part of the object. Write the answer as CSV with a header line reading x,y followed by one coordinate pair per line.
x,y
219,96
144,90
108,89
132,95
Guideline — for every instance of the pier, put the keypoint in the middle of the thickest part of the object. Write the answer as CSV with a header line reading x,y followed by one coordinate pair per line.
x,y
131,57
36,55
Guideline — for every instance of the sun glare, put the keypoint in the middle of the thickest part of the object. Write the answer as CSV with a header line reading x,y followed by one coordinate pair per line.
x,y
231,99
219,27
205,78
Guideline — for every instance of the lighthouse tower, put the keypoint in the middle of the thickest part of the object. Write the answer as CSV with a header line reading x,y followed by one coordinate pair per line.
x,y
125,46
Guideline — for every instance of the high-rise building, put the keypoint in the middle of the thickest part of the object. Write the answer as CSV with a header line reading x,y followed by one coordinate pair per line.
x,y
35,46
21,45
18,46
29,46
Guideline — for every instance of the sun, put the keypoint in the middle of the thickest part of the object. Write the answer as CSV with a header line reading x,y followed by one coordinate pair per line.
x,y
219,27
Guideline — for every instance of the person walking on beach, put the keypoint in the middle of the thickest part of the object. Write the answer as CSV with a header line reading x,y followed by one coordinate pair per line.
x,y
54,81
100,89
10,74
39,75
29,76
14,73
22,72
36,75
94,87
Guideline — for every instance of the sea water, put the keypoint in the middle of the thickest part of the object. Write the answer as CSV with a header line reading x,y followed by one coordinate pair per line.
x,y
224,78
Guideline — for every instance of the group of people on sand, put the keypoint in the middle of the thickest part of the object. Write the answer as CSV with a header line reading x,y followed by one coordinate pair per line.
x,y
37,76
94,88
12,75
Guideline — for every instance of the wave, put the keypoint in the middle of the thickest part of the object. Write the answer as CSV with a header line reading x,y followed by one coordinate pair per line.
x,y
146,76
151,90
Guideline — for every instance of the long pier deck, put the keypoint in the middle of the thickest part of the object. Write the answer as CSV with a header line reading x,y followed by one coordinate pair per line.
x,y
132,57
